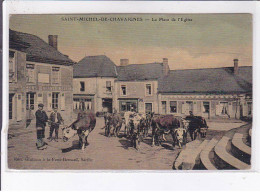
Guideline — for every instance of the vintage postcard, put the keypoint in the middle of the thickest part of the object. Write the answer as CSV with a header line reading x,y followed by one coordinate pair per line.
x,y
130,92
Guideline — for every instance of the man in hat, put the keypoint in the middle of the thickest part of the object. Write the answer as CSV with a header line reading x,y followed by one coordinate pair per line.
x,y
55,121
41,119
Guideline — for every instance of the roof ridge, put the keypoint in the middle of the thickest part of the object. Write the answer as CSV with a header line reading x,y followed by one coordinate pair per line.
x,y
206,68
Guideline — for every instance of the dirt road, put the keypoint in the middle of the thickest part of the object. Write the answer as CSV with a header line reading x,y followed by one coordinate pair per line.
x,y
102,153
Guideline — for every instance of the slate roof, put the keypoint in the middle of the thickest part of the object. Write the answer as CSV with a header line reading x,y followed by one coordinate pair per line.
x,y
95,66
139,72
37,50
211,80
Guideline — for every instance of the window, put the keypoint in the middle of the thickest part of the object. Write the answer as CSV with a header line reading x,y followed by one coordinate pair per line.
x,y
11,106
12,74
173,106
249,104
148,90
205,107
82,104
55,76
163,107
108,86
11,61
30,73
224,108
190,105
30,101
123,90
130,105
82,86
55,100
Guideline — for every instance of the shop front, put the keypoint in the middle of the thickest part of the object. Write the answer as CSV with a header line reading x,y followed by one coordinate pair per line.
x,y
128,105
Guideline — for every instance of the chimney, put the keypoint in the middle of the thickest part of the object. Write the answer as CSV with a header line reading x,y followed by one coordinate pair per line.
x,y
166,68
235,66
53,41
124,62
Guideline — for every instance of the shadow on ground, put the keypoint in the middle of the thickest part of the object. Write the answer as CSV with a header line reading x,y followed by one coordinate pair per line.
x,y
75,146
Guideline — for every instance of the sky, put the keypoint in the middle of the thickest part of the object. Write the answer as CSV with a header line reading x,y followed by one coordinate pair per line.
x,y
204,41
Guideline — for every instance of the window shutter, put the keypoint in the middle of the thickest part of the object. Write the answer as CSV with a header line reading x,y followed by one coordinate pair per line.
x,y
62,101
183,108
39,98
245,109
49,101
230,110
90,108
19,107
195,108
218,109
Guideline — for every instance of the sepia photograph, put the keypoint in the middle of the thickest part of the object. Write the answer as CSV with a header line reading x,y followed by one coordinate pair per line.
x,y
130,91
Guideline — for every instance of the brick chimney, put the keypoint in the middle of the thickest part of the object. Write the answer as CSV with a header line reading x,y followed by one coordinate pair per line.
x,y
235,66
53,41
166,68
124,62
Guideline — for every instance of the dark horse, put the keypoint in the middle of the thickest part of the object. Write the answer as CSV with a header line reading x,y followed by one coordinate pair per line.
x,y
196,125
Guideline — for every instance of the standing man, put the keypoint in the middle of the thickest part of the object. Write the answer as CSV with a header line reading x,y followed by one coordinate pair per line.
x,y
55,121
41,119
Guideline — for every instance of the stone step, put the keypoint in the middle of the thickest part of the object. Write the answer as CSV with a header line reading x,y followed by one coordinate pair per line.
x,y
204,155
239,149
189,156
225,160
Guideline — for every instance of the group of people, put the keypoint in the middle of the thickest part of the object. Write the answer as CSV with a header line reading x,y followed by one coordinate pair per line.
x,y
54,122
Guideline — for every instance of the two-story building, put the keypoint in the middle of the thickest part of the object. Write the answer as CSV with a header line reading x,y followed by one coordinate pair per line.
x,y
45,73
17,84
137,85
214,92
93,84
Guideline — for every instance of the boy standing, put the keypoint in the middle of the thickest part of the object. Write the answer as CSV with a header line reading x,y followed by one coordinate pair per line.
x,y
55,121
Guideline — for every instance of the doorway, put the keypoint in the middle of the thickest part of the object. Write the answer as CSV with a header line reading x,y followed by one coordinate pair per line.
x,y
148,107
107,104
11,112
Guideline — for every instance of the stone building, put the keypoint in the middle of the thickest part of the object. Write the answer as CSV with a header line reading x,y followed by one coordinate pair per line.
x,y
17,85
44,75
214,92
100,85
93,84
137,86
